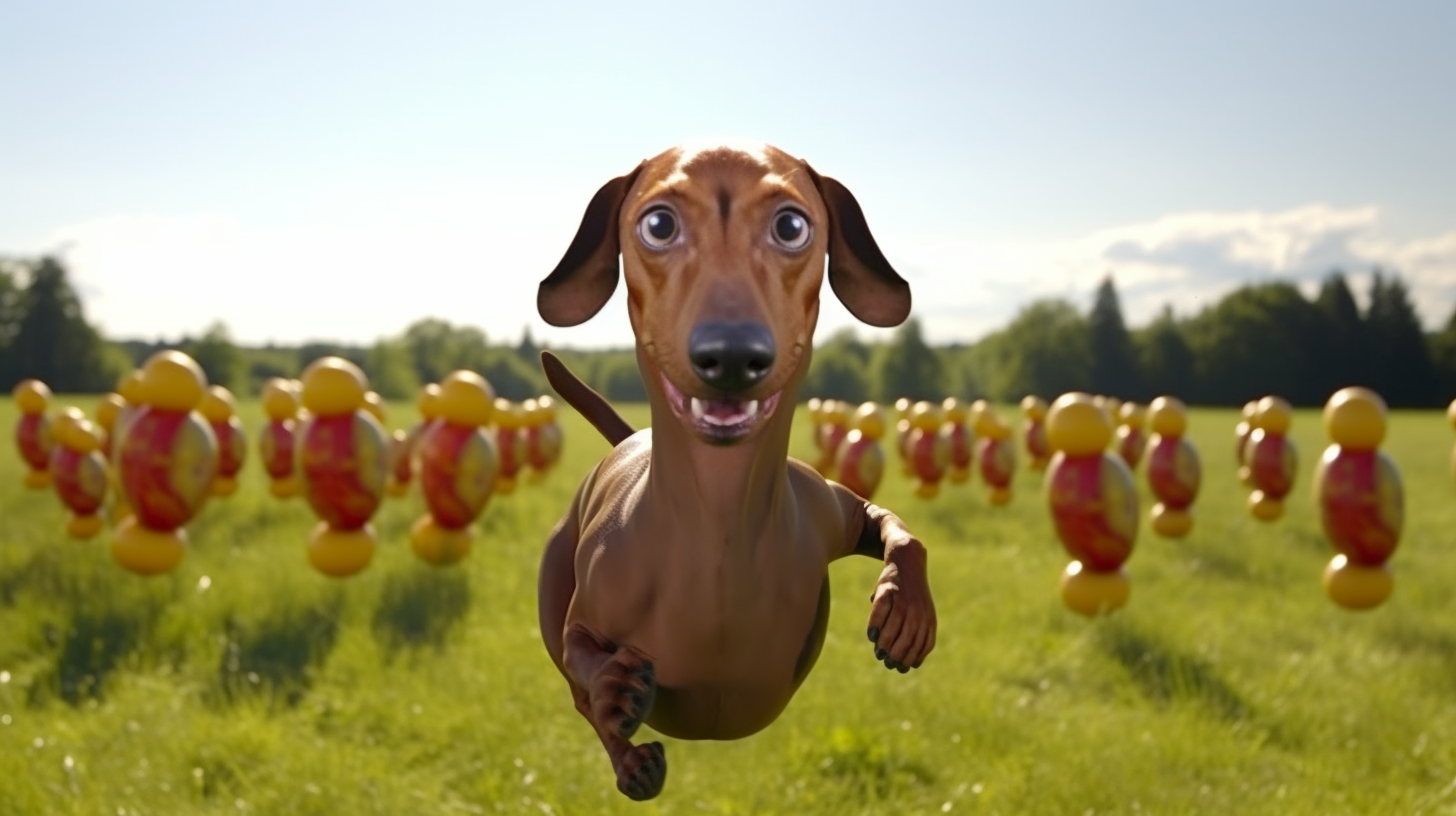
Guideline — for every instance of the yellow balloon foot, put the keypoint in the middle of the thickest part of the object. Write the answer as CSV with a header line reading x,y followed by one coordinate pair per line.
x,y
1091,592
340,553
1171,523
120,511
284,488
84,527
958,475
438,545
145,551
1265,508
504,486
1357,586
224,486
38,479
1001,496
534,476
397,488
927,490
1038,465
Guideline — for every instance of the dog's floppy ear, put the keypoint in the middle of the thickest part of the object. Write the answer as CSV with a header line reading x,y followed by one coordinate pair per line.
x,y
586,277
859,274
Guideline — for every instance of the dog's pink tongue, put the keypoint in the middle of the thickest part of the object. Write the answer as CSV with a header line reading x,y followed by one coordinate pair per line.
x,y
725,409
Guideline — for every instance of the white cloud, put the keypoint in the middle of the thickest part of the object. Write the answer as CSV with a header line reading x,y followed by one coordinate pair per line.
x,y
150,276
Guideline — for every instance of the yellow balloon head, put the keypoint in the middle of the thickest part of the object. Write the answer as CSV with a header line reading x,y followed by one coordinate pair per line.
x,y
429,401
217,404
65,421
1167,416
1274,415
869,420
1451,414
1355,418
954,410
547,406
1077,425
508,415
333,386
172,381
466,399
75,431
1033,407
925,416
1250,409
836,412
108,410
279,400
984,423
816,409
31,396
902,407
1132,415
374,404
130,386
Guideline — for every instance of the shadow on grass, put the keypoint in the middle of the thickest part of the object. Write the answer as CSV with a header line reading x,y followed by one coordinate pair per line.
x,y
864,766
419,607
1165,675
275,656
94,643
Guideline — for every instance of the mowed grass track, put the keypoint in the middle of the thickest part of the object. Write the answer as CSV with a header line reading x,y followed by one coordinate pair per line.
x,y
247,683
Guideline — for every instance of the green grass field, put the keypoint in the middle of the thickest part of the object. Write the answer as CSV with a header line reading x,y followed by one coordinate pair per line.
x,y
246,683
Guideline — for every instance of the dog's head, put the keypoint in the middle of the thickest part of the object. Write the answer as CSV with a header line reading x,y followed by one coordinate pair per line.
x,y
723,250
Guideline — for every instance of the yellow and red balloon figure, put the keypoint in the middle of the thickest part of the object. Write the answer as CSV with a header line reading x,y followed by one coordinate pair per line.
x,y
996,451
833,428
278,443
1131,439
1361,500
510,444
79,472
341,455
1242,432
1174,471
1033,434
861,462
108,411
33,432
1271,459
400,452
543,437
958,440
929,453
220,410
903,409
1093,503
166,463
458,465
129,388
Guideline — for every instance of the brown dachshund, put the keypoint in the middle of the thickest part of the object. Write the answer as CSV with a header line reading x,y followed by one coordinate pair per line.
x,y
687,586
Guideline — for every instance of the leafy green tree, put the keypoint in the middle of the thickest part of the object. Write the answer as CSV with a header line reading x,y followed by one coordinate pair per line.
x,y
1345,360
1044,351
621,380
907,367
1406,375
53,342
512,377
219,357
836,372
1114,362
1259,340
1165,359
391,371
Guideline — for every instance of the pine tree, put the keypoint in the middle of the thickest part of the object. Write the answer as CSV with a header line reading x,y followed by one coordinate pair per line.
x,y
907,367
53,342
1345,358
1114,364
1405,375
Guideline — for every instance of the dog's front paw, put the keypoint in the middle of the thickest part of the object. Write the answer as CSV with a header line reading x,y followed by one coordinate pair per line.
x,y
622,692
902,619
641,771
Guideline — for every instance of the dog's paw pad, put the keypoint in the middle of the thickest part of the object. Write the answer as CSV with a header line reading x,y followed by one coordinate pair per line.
x,y
641,771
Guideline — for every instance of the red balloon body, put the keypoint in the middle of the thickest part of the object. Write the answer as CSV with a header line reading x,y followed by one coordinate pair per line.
x,y
402,453
276,447
861,464
1362,503
1131,443
510,447
831,435
1271,463
1094,506
958,445
342,462
232,446
998,461
458,466
33,437
1174,472
543,445
1037,447
167,462
80,479
929,454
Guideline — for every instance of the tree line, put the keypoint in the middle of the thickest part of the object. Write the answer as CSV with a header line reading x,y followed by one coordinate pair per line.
x,y
1261,339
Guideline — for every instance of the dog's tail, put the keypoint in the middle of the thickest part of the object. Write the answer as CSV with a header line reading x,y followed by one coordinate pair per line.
x,y
587,402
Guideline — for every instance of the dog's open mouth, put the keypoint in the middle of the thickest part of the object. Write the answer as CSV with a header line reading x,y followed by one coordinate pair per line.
x,y
722,421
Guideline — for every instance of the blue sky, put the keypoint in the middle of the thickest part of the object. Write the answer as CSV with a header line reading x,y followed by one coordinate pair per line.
x,y
266,163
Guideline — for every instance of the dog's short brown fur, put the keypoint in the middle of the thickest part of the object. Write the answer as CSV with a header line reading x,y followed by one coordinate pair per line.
x,y
687,586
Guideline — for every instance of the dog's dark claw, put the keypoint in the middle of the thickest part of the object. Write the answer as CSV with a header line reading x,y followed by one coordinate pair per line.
x,y
881,654
874,633
902,668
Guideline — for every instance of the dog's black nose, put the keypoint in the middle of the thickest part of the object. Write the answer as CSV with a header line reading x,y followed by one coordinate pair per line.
x,y
731,356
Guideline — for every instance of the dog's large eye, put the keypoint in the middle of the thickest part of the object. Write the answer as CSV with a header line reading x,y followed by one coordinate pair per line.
x,y
658,228
791,229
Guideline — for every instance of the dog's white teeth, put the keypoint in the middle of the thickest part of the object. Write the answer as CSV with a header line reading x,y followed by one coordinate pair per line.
x,y
752,410
700,409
